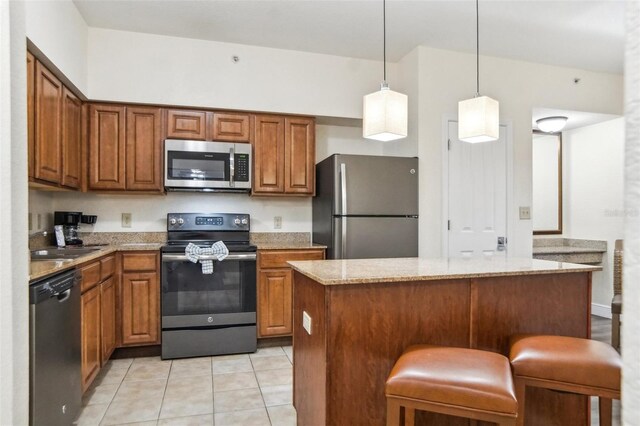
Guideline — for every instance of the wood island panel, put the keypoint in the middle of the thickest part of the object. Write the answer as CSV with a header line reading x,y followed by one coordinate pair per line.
x,y
359,331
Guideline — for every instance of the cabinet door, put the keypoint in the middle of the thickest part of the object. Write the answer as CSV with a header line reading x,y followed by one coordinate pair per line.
x,y
48,135
90,339
230,127
107,318
71,139
31,130
268,161
107,147
144,149
275,303
300,156
140,308
184,124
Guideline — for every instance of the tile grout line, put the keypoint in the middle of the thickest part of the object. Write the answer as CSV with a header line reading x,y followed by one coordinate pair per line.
x,y
166,385
264,403
114,395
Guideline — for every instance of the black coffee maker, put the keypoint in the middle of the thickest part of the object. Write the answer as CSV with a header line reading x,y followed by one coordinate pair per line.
x,y
70,222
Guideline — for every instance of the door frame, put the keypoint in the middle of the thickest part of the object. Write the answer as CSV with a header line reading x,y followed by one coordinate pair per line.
x,y
510,215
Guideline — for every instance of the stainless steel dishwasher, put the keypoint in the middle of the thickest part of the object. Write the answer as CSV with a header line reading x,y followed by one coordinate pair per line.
x,y
54,331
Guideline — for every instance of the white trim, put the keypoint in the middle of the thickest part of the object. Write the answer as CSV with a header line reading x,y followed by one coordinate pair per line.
x,y
599,310
510,216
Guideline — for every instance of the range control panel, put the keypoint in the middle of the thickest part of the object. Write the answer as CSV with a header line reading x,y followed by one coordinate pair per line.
x,y
208,222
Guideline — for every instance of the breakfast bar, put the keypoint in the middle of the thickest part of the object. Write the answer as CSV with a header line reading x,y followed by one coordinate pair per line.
x,y
354,318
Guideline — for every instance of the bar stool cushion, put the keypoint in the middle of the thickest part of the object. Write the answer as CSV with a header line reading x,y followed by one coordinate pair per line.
x,y
582,362
454,376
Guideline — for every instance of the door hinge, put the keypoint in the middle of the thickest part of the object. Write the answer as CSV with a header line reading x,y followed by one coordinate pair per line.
x,y
448,144
448,225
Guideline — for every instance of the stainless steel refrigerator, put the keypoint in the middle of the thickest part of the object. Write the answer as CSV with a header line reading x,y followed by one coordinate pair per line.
x,y
366,206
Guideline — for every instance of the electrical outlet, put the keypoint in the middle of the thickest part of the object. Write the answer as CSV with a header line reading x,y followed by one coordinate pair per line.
x,y
525,213
306,321
126,220
277,222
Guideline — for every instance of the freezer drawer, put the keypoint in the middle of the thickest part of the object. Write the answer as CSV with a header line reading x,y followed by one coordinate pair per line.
x,y
374,237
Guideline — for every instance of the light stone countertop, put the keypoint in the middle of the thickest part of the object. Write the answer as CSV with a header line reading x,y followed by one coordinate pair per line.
x,y
284,245
566,249
362,271
42,268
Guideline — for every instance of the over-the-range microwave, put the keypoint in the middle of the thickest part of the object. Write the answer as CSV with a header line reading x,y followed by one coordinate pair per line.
x,y
207,166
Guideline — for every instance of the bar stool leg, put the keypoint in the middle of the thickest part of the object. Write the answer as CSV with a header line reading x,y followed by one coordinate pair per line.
x,y
409,416
615,331
520,397
393,413
606,411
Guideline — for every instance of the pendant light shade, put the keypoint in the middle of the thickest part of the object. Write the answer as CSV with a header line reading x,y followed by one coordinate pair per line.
x,y
384,113
552,124
478,117
478,120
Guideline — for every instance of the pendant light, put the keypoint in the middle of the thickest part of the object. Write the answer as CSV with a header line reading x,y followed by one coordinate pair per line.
x,y
478,117
384,115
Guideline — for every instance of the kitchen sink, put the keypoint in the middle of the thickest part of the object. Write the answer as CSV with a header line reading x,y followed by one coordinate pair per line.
x,y
62,253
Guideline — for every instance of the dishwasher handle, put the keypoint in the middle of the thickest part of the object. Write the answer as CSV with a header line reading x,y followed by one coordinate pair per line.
x,y
64,296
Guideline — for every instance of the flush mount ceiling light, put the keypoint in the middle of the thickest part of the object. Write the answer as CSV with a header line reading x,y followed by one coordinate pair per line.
x,y
478,117
384,115
552,124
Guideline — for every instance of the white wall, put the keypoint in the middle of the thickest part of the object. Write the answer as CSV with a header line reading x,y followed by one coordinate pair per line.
x,y
41,203
136,67
593,183
447,77
545,185
344,140
58,29
14,303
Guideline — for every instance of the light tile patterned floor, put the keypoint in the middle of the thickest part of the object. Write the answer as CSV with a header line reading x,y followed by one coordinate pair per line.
x,y
245,390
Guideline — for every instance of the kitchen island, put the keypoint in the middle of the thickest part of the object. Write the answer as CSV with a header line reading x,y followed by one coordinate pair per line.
x,y
364,313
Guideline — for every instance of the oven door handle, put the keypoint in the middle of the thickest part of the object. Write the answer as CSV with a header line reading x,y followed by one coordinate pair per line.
x,y
182,257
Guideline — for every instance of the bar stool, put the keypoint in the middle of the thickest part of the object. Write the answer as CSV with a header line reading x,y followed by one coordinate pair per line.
x,y
567,364
453,381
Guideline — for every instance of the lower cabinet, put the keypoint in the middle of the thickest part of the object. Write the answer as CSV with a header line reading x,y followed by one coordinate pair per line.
x,y
140,304
108,323
275,289
90,339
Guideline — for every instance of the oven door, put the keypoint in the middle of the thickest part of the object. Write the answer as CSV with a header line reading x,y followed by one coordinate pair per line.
x,y
193,299
198,165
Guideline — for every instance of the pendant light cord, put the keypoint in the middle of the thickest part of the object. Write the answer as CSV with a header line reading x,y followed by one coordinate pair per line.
x,y
384,41
477,51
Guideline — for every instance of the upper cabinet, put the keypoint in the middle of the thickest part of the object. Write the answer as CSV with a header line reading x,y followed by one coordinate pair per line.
x,y
284,155
71,139
184,124
107,147
48,126
125,148
31,116
230,127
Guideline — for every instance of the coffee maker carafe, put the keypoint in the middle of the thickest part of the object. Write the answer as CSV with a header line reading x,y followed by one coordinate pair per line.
x,y
70,222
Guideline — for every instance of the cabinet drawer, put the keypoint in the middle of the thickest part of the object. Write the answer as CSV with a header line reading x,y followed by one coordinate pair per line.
x,y
139,262
90,276
107,267
279,258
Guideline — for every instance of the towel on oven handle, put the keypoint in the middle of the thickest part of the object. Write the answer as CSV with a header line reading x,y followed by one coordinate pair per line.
x,y
194,253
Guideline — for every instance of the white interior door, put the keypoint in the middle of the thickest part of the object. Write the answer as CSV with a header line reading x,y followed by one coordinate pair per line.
x,y
477,196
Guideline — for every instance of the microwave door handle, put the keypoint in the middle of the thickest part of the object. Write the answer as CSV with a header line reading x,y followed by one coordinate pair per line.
x,y
232,168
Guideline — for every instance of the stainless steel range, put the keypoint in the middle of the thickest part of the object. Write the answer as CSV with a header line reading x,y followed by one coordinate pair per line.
x,y
208,314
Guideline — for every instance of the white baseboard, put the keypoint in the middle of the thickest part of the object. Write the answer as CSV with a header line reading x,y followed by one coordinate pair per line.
x,y
601,310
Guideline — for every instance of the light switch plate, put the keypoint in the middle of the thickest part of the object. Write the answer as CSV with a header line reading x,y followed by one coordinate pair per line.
x,y
525,213
126,220
306,322
277,222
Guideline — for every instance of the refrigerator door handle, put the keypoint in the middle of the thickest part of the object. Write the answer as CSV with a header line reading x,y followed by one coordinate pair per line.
x,y
343,190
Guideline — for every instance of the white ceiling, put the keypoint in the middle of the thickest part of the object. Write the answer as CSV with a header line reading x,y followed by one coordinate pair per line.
x,y
577,33
575,119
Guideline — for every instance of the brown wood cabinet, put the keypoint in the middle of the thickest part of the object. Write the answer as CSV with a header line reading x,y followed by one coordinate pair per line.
x,y
140,303
268,155
107,147
275,289
186,124
144,149
230,127
284,155
48,123
31,120
90,338
71,139
98,316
